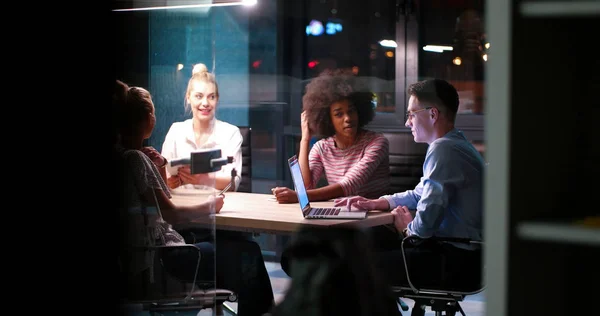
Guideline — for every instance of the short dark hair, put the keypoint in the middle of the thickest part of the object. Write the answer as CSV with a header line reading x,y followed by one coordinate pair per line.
x,y
436,92
333,86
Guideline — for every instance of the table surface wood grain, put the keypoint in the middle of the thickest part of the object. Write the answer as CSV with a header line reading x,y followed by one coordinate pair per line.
x,y
260,213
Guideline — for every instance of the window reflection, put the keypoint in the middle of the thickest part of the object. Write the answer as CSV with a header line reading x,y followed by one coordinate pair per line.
x,y
347,34
269,52
453,46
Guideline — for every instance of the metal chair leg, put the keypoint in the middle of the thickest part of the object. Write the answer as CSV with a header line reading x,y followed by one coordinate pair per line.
x,y
229,309
460,309
402,304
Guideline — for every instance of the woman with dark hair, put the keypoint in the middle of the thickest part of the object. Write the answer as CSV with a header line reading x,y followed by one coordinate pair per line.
x,y
355,160
333,273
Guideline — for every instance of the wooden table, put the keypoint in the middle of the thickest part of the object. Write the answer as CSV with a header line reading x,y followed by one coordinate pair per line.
x,y
259,213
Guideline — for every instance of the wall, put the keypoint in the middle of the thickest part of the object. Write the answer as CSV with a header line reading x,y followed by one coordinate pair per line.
x,y
188,37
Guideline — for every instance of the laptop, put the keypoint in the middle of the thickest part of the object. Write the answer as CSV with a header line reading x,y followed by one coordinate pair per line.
x,y
317,212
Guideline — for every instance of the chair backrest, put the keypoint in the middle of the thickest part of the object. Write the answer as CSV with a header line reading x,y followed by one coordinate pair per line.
x,y
246,183
455,282
406,161
155,289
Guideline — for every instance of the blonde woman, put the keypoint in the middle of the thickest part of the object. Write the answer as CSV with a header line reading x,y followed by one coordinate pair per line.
x,y
203,130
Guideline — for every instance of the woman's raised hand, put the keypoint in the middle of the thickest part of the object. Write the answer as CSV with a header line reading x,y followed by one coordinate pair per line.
x,y
304,124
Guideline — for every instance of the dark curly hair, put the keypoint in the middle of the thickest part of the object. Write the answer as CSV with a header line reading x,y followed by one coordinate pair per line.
x,y
334,86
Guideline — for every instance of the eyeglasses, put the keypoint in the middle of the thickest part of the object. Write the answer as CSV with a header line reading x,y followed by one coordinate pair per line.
x,y
410,115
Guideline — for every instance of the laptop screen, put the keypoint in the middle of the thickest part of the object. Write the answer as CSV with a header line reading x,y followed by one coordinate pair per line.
x,y
298,181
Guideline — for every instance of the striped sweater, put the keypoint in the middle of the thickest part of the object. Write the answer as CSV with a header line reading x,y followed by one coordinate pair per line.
x,y
361,169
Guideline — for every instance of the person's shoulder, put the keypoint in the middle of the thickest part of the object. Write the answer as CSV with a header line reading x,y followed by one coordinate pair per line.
x,y
132,156
375,137
131,153
448,145
440,152
223,126
176,126
325,142
442,146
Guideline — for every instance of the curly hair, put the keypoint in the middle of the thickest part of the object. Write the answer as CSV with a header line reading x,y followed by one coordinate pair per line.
x,y
333,86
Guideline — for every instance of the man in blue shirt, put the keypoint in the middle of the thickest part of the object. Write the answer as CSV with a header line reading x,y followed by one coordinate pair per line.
x,y
448,200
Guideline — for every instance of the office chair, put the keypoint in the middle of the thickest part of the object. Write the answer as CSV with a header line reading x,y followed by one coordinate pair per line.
x,y
440,298
406,161
156,291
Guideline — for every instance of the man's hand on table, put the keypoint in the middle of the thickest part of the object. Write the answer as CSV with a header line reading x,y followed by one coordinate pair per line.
x,y
362,204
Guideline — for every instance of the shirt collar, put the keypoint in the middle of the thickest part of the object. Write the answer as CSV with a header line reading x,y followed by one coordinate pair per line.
x,y
189,132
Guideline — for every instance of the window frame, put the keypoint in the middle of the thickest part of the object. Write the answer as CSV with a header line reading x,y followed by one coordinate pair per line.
x,y
407,72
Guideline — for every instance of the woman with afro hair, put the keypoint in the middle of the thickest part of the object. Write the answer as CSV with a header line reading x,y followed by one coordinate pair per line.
x,y
354,160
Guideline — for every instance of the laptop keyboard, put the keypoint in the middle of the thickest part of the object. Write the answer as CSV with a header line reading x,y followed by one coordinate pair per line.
x,y
326,211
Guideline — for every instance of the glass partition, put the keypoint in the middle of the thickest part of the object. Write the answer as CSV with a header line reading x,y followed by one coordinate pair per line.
x,y
157,49
264,55
452,45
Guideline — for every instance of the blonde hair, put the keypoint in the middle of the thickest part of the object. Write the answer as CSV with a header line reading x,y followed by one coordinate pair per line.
x,y
200,72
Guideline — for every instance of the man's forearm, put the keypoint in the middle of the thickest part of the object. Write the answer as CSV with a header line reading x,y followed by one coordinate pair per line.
x,y
382,204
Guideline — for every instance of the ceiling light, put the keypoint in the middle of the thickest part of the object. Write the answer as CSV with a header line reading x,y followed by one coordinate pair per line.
x,y
388,43
437,48
145,5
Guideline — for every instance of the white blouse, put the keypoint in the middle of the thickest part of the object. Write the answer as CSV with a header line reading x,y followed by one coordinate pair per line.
x,y
180,142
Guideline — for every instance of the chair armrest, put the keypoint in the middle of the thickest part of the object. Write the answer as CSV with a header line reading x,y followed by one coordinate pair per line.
x,y
159,250
165,247
414,239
